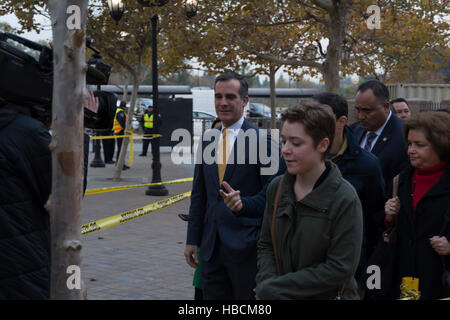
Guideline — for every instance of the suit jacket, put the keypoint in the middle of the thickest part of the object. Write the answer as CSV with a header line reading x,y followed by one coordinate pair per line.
x,y
362,169
390,149
210,218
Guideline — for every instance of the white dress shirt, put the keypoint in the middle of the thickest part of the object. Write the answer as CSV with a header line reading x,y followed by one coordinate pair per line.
x,y
232,133
378,133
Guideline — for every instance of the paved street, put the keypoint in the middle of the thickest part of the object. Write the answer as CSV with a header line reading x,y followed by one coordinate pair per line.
x,y
143,258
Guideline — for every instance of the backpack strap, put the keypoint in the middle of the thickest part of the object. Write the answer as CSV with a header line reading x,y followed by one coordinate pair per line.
x,y
274,214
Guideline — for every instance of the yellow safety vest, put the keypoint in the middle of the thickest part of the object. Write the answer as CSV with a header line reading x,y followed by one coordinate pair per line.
x,y
116,125
148,121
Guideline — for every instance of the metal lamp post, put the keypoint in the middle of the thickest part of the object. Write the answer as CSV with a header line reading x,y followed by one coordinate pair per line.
x,y
191,11
116,9
97,162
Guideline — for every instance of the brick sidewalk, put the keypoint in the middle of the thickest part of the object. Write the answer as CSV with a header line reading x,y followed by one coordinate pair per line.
x,y
143,258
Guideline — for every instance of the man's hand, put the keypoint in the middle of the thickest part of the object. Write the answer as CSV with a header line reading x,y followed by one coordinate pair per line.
x,y
232,199
190,253
440,245
91,102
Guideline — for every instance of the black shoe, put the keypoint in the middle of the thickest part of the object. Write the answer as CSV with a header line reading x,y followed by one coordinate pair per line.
x,y
125,167
184,217
142,155
110,162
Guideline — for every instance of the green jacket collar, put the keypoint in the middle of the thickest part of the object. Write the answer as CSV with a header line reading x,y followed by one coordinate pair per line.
x,y
319,199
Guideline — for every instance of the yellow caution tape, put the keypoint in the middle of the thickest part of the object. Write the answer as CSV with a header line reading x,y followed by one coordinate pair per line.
x,y
110,189
106,223
131,135
149,136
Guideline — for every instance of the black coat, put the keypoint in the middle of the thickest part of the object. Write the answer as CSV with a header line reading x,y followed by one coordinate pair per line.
x,y
390,149
362,169
416,257
25,175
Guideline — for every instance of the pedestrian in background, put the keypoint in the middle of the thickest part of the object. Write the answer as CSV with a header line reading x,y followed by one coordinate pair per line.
x,y
401,108
119,128
148,122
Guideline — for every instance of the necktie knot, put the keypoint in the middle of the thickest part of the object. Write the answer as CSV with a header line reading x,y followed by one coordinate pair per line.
x,y
370,137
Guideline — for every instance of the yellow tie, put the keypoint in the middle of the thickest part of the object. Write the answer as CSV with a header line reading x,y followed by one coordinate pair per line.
x,y
222,156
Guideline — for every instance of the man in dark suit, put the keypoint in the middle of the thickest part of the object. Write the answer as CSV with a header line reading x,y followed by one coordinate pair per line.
x,y
227,238
362,169
379,131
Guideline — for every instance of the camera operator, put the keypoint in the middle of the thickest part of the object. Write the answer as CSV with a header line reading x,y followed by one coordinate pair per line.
x,y
26,161
25,172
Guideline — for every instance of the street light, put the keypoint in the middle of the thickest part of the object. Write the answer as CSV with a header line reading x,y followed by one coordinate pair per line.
x,y
191,8
116,9
191,11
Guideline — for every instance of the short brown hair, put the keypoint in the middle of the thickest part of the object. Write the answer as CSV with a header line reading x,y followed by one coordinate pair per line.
x,y
318,119
436,128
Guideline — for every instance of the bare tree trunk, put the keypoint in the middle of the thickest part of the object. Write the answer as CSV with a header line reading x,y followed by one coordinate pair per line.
x,y
331,65
125,142
126,80
272,71
69,85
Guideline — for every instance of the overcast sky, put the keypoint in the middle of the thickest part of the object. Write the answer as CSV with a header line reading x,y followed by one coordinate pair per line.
x,y
43,35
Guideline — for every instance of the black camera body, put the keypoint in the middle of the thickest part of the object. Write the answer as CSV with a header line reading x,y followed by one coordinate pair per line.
x,y
27,81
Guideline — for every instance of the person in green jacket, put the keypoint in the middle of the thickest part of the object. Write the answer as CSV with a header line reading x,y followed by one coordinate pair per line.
x,y
318,222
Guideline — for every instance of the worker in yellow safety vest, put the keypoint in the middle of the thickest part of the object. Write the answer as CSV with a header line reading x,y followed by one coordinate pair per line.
x,y
148,123
119,128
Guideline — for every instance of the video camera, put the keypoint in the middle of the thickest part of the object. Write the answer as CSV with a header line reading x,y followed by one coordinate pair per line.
x,y
28,81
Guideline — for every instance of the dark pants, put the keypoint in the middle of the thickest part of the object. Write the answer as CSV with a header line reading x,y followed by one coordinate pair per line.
x,y
119,143
146,141
108,147
223,279
198,294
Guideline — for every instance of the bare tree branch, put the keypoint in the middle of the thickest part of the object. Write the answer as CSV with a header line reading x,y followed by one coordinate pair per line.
x,y
324,4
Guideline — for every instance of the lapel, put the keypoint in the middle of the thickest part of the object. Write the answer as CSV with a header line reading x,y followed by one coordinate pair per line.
x,y
385,136
211,170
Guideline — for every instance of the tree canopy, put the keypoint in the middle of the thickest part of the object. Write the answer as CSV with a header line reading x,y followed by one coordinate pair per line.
x,y
327,38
